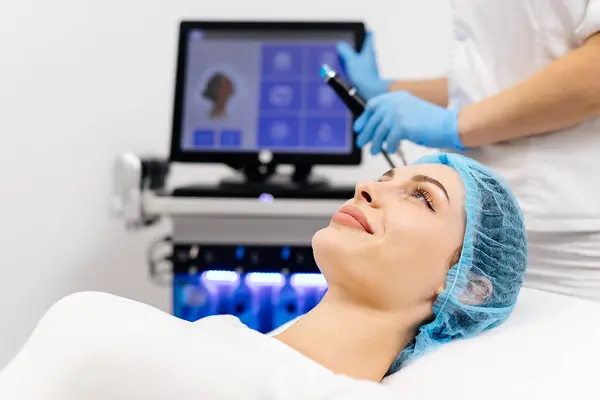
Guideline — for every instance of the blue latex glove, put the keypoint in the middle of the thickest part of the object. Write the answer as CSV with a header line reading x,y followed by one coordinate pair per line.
x,y
395,116
361,68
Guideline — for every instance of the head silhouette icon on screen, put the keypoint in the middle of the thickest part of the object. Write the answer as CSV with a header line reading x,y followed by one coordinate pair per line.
x,y
218,89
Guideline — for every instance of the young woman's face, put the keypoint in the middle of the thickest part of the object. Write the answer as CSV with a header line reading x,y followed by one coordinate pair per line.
x,y
390,247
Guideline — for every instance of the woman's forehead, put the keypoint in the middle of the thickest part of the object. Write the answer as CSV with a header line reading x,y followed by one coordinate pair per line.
x,y
440,171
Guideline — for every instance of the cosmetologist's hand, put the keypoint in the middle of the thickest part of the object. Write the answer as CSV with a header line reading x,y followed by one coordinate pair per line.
x,y
396,116
361,68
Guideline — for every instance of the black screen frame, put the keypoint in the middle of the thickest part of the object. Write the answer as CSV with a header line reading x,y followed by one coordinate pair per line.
x,y
177,154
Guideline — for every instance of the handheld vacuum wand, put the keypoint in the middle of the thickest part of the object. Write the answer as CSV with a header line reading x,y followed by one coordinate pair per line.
x,y
354,101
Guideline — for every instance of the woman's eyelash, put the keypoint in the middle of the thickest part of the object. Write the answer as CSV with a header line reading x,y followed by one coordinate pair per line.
x,y
420,191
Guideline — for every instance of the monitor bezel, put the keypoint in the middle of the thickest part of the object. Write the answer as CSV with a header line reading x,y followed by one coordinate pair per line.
x,y
177,154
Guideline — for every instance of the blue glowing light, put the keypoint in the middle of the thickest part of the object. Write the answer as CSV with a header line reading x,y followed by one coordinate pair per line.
x,y
308,280
285,253
239,252
264,278
266,198
221,276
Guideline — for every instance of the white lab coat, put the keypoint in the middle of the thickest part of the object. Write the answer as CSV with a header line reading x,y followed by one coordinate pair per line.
x,y
499,43
555,176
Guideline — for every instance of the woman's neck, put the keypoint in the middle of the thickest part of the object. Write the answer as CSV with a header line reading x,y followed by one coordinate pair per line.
x,y
350,340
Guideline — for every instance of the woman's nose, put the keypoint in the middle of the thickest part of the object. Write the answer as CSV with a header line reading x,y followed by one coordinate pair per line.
x,y
366,192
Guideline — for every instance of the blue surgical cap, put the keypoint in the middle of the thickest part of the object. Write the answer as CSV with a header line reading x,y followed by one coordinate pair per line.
x,y
482,288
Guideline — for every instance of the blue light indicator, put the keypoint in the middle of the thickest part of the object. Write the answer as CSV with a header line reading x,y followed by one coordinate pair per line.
x,y
285,253
239,252
266,198
221,276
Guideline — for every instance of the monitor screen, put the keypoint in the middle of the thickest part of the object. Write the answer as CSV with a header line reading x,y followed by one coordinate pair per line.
x,y
253,90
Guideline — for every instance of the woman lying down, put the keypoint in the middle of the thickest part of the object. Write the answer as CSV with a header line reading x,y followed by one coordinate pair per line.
x,y
429,253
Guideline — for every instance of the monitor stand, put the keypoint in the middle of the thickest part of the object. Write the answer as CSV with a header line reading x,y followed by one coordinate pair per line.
x,y
264,183
264,179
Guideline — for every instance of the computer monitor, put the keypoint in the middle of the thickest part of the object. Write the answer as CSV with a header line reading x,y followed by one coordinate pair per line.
x,y
245,89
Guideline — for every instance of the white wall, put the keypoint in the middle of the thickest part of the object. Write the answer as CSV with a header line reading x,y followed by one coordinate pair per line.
x,y
82,81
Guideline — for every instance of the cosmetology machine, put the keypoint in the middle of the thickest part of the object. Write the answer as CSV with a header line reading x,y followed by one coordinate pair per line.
x,y
248,95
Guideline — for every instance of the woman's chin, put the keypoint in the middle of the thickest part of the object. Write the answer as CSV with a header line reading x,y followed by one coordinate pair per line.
x,y
338,251
327,240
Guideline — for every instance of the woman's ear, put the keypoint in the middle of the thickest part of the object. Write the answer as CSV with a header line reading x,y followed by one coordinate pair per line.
x,y
478,291
439,290
455,257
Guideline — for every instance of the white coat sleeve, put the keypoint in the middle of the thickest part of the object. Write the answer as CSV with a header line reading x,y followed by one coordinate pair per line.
x,y
590,24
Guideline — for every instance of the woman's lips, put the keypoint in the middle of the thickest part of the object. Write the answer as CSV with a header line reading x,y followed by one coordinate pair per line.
x,y
353,218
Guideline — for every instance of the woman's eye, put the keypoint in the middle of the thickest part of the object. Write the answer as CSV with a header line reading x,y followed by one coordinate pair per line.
x,y
423,195
419,196
422,198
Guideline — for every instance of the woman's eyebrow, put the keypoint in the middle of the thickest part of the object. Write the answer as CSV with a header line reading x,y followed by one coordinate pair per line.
x,y
428,179
389,174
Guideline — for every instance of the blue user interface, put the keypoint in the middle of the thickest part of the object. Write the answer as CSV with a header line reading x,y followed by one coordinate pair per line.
x,y
262,91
